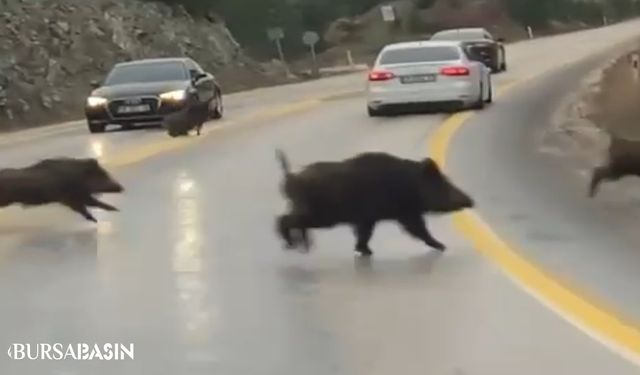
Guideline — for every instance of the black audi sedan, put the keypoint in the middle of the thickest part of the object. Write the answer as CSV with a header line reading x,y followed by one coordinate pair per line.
x,y
143,92
479,44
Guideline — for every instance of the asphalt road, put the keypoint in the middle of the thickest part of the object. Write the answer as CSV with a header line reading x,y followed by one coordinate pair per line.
x,y
192,273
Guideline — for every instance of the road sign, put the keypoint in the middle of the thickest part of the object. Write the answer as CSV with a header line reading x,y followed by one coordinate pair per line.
x,y
310,38
388,13
275,33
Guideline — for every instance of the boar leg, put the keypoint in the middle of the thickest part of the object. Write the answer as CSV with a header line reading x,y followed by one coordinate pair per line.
x,y
93,202
417,227
363,232
304,237
81,209
287,226
284,230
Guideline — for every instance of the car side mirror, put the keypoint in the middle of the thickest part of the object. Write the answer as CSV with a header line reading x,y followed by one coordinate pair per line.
x,y
501,40
95,84
198,77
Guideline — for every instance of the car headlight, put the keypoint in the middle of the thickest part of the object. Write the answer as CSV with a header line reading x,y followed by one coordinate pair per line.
x,y
96,101
176,95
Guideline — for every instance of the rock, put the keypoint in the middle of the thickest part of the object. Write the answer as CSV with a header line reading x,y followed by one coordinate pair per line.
x,y
63,26
341,31
46,101
23,106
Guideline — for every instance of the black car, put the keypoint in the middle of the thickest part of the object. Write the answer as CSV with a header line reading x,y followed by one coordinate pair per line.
x,y
480,45
143,92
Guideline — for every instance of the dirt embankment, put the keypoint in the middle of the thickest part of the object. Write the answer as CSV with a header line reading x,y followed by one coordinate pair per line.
x,y
364,35
615,107
608,103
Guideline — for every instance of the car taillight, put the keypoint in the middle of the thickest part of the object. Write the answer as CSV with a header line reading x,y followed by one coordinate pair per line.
x,y
455,71
381,75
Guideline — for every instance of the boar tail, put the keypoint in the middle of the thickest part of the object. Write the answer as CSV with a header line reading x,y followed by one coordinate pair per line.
x,y
284,161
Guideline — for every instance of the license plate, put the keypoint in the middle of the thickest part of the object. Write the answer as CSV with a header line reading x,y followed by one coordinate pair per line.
x,y
418,78
134,108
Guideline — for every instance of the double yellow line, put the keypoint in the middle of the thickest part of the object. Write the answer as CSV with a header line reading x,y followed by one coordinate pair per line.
x,y
592,317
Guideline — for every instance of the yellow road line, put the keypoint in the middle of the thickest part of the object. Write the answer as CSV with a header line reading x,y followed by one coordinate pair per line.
x,y
592,318
37,133
140,153
29,135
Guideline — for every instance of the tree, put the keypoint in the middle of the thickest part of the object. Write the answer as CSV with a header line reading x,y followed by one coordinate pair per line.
x,y
249,19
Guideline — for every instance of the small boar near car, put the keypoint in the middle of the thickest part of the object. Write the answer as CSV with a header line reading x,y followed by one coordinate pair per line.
x,y
623,159
68,181
182,122
362,191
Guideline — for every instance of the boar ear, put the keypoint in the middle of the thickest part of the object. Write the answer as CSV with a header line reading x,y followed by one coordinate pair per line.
x,y
430,166
90,164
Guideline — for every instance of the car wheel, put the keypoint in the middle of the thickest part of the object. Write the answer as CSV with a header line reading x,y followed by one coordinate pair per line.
x,y
217,111
93,128
480,102
490,95
375,112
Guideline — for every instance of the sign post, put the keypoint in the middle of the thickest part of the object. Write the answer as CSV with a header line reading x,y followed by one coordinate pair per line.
x,y
389,17
311,38
276,34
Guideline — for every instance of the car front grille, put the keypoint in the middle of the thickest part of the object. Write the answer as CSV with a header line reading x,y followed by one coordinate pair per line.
x,y
116,105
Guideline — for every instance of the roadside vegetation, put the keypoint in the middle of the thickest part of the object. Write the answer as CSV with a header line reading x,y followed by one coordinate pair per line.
x,y
249,19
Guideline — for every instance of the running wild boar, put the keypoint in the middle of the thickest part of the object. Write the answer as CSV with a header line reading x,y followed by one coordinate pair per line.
x,y
623,159
182,122
70,182
362,191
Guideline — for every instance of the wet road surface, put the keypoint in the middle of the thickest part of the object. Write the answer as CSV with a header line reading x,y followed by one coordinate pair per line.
x,y
192,273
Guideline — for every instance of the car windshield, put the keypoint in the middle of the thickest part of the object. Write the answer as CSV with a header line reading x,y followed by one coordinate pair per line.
x,y
152,72
459,35
419,54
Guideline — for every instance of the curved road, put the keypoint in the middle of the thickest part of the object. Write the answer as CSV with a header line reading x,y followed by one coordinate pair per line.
x,y
192,273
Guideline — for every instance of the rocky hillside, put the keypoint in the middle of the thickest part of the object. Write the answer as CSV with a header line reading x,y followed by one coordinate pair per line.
x,y
363,35
51,49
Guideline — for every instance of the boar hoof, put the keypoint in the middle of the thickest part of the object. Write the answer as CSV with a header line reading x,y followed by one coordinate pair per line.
x,y
440,247
437,246
365,252
91,218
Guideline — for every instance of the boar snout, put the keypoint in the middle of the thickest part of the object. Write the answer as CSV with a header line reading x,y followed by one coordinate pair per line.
x,y
112,187
451,199
465,202
459,200
102,182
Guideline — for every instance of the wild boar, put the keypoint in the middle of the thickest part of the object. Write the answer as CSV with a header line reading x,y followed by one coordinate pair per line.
x,y
362,191
180,123
623,159
68,181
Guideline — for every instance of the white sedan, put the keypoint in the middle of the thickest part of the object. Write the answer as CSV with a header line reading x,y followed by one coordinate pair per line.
x,y
427,73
